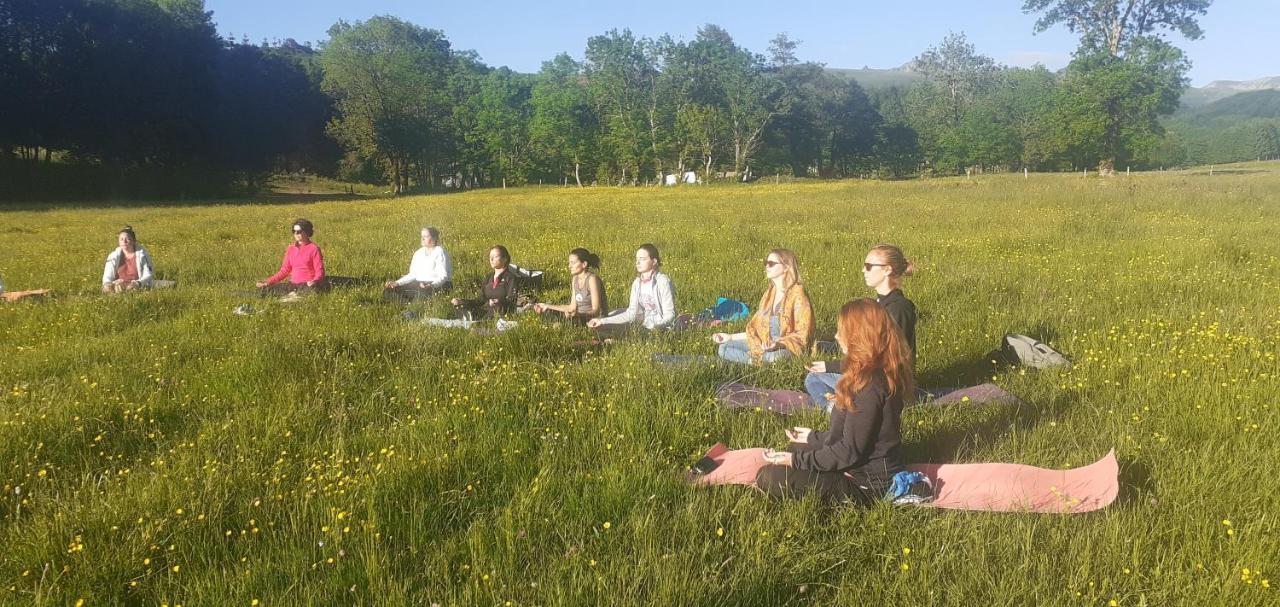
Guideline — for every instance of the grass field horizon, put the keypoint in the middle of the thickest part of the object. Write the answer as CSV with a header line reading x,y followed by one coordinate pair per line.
x,y
156,449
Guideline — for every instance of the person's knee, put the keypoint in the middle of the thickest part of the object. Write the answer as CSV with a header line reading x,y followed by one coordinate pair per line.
x,y
814,383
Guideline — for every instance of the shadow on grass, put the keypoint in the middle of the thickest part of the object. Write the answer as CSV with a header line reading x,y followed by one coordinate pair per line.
x,y
968,371
1137,483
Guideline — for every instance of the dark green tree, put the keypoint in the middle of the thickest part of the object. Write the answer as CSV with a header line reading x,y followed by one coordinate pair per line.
x,y
503,113
1108,108
620,73
388,79
1112,33
563,126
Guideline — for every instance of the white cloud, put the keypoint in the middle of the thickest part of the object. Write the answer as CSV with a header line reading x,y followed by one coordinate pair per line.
x,y
1050,60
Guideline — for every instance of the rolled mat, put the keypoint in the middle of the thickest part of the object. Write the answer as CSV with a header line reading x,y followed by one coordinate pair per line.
x,y
991,487
981,393
786,402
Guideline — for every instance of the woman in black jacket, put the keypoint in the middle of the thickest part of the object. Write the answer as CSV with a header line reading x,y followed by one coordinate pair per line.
x,y
856,459
497,293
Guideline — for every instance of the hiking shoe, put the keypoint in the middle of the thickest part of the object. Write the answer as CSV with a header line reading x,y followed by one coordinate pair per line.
x,y
506,325
409,315
243,310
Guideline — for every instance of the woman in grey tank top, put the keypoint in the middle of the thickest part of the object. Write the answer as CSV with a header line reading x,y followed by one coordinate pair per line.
x,y
586,291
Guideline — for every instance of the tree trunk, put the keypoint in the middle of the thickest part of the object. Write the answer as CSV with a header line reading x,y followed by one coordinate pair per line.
x,y
577,177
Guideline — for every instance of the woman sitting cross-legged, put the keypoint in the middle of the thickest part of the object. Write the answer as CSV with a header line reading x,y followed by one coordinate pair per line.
x,y
303,265
430,271
498,292
783,326
856,459
586,290
128,268
883,269
653,299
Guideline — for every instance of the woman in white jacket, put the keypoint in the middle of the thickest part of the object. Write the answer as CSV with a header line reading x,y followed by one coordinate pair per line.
x,y
128,268
653,299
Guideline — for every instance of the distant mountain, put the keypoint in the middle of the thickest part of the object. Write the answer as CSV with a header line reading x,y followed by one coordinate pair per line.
x,y
1221,89
1261,103
870,78
1193,98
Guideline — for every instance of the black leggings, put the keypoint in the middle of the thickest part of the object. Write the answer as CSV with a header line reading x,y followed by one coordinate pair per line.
x,y
285,288
785,482
552,316
414,291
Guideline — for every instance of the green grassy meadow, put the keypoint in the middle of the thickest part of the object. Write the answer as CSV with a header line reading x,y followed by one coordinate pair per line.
x,y
157,450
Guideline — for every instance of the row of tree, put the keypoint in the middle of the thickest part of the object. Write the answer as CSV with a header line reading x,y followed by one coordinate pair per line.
x,y
146,87
141,97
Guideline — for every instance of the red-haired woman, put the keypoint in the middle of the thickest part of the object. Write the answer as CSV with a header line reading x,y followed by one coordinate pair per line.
x,y
856,459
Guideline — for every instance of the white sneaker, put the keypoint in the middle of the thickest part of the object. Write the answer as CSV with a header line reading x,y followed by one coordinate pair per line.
x,y
506,325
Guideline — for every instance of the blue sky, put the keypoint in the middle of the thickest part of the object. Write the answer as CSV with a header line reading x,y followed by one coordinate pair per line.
x,y
1239,42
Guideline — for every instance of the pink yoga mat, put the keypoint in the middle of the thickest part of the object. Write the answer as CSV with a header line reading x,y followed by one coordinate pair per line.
x,y
994,487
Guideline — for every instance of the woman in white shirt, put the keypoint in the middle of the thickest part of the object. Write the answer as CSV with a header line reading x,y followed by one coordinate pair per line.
x,y
430,271
653,300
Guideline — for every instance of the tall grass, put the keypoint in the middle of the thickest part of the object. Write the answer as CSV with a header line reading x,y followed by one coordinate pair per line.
x,y
156,449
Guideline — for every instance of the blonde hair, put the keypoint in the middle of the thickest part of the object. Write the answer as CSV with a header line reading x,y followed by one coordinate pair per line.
x,y
897,261
790,278
790,263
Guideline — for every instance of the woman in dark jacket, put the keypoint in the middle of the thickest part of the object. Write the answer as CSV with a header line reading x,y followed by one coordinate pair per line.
x,y
856,459
497,293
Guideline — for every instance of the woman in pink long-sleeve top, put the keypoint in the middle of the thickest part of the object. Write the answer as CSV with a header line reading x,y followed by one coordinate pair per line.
x,y
303,266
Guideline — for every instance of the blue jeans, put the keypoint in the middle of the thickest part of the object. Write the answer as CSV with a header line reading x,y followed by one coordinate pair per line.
x,y
818,385
736,351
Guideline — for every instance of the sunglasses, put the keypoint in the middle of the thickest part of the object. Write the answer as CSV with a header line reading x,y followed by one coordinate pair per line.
x,y
866,267
769,263
297,231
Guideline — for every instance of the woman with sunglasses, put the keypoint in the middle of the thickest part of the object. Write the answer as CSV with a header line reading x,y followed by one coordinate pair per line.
x,y
586,291
303,266
128,268
783,325
883,270
856,459
653,299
